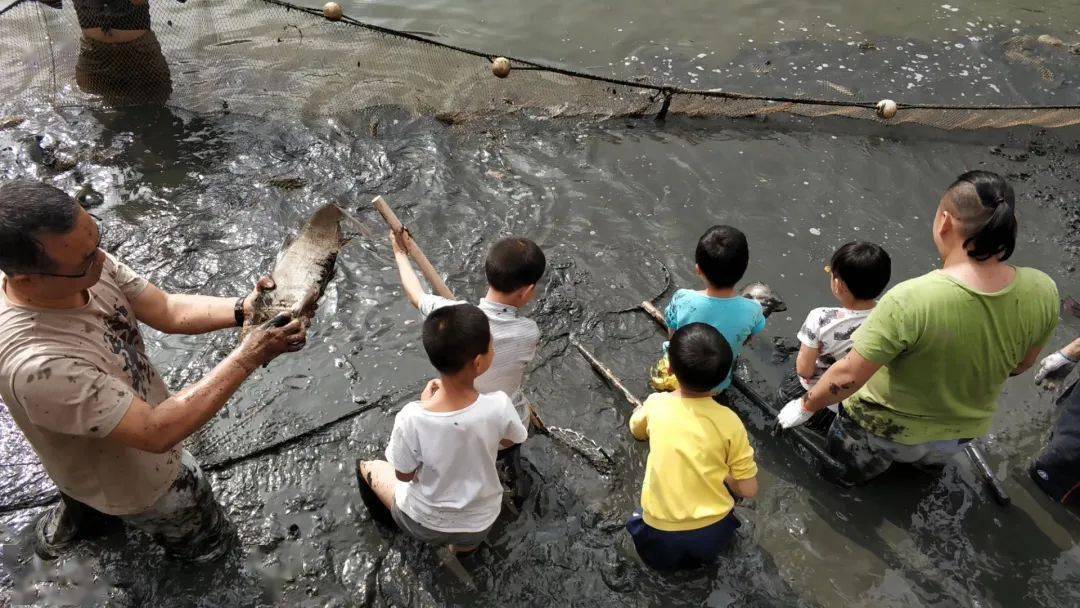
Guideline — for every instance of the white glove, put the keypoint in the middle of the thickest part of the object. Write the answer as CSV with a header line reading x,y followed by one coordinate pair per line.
x,y
1053,370
793,414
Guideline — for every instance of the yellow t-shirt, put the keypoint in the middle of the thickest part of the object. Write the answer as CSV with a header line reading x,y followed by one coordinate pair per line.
x,y
694,444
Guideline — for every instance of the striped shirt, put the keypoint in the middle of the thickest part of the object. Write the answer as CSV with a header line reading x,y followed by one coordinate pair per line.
x,y
515,338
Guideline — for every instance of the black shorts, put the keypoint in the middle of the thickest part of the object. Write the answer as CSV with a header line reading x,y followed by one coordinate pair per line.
x,y
684,549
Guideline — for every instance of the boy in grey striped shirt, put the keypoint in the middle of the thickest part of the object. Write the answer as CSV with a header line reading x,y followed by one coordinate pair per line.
x,y
514,266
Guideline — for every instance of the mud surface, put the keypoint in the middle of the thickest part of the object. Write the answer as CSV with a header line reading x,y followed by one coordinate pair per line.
x,y
202,205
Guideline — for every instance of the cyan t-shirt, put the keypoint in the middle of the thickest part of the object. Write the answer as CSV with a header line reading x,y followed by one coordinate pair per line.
x,y
736,318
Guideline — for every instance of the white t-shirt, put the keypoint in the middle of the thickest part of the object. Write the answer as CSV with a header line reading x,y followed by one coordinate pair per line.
x,y
515,340
829,328
456,488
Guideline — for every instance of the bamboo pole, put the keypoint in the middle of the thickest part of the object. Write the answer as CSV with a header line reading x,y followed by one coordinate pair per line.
x,y
607,374
429,272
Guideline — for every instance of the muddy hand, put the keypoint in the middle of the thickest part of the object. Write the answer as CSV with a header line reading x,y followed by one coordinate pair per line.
x,y
1053,370
793,414
429,391
397,242
282,334
263,285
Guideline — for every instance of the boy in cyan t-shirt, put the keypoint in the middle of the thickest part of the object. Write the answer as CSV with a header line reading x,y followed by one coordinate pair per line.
x,y
721,257
699,455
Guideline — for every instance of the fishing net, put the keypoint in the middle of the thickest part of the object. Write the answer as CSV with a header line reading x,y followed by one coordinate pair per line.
x,y
269,58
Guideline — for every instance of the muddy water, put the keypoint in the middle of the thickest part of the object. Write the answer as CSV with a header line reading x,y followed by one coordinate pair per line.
x,y
608,35
201,204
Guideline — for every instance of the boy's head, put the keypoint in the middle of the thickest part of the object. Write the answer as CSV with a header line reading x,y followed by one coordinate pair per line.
x,y
457,340
722,255
862,268
700,357
514,267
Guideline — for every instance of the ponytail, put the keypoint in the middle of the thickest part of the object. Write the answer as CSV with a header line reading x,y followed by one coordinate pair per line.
x,y
992,225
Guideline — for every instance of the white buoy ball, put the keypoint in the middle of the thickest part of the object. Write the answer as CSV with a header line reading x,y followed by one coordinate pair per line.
x,y
500,67
332,11
886,108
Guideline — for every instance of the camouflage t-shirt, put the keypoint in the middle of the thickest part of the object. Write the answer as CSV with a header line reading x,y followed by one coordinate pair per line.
x,y
829,330
69,376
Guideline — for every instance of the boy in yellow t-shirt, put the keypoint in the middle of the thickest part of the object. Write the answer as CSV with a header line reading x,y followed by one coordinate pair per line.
x,y
699,455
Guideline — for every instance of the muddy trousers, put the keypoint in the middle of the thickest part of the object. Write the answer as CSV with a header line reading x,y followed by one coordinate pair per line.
x,y
1056,469
865,455
186,521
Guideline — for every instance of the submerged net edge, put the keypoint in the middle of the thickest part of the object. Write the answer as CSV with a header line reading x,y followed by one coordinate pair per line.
x,y
269,58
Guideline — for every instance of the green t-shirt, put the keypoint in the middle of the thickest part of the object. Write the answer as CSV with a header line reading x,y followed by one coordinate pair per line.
x,y
947,351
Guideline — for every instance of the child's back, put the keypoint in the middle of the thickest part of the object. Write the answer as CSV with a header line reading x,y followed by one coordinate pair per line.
x,y
735,317
513,267
721,257
858,273
456,488
694,445
438,482
697,451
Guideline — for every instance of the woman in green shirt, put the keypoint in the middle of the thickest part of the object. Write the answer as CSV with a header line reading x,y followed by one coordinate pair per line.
x,y
928,365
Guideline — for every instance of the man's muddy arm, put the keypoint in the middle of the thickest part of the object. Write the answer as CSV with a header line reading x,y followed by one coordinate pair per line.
x,y
1072,350
173,313
159,429
840,381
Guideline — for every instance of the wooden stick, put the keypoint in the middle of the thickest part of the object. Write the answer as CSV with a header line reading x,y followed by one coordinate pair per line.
x,y
802,435
978,459
414,250
655,313
607,374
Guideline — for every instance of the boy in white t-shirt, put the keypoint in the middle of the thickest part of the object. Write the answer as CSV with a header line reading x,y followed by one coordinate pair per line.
x,y
439,482
513,268
859,272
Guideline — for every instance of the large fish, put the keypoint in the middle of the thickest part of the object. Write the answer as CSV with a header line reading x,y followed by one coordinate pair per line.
x,y
764,295
303,268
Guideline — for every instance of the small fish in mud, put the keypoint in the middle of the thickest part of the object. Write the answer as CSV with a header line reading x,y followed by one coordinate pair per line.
x,y
89,198
764,295
303,269
838,88
44,150
287,183
11,123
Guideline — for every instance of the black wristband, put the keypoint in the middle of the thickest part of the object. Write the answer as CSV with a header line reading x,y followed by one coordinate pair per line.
x,y
238,312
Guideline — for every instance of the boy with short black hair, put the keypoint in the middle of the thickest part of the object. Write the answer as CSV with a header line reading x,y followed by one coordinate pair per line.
x,y
439,482
859,272
699,454
721,258
513,267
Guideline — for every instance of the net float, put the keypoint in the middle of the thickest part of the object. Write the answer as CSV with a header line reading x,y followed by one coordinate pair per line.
x,y
886,108
332,11
500,67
